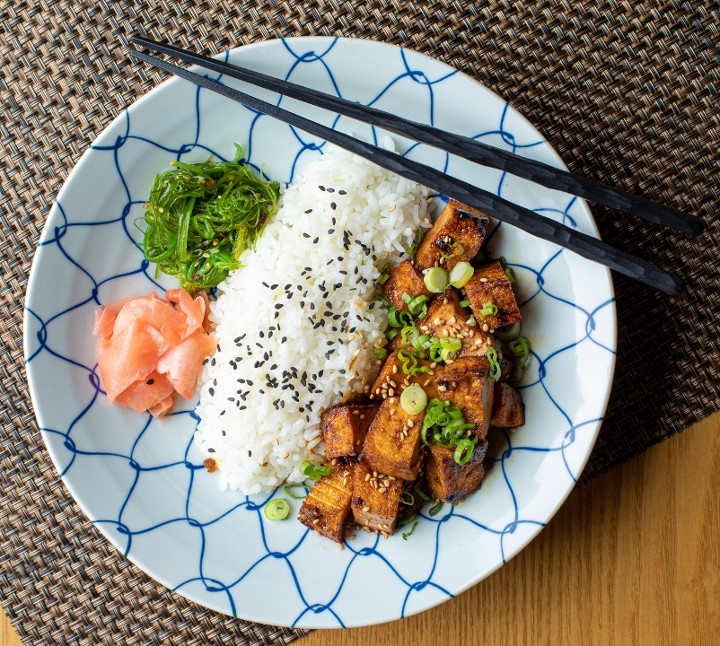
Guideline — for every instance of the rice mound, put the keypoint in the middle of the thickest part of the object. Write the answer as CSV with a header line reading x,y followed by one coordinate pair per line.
x,y
296,326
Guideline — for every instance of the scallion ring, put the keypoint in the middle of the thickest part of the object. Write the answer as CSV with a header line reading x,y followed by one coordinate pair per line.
x,y
290,490
314,471
435,509
461,274
408,335
277,509
413,400
489,309
380,353
464,451
495,370
520,348
436,279
418,306
406,534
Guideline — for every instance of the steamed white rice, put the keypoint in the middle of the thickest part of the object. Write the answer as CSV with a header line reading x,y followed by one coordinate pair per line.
x,y
296,326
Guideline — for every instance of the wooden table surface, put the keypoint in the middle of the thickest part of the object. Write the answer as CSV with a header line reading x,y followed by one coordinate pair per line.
x,y
631,558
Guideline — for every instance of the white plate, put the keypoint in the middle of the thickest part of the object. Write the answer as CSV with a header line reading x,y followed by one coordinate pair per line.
x,y
141,481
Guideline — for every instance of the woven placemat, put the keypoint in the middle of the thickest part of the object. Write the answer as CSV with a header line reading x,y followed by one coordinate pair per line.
x,y
625,91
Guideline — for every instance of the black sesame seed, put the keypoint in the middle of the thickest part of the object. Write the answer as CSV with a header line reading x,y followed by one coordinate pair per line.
x,y
150,382
308,211
342,192
331,190
333,206
211,390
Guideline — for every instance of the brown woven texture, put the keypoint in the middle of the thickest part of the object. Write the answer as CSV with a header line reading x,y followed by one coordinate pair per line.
x,y
625,91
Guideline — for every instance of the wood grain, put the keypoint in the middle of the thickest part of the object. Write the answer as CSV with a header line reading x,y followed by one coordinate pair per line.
x,y
631,558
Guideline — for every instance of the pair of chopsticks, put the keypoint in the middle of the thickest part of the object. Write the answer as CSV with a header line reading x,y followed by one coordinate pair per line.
x,y
493,205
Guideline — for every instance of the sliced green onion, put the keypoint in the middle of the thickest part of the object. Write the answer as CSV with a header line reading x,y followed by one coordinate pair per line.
x,y
461,274
413,400
412,249
406,534
314,471
408,335
464,303
464,451
422,342
409,363
380,353
406,498
392,317
435,509
449,347
510,274
450,343
443,440
495,370
277,509
392,333
457,250
436,279
418,306
383,279
520,348
489,309
435,352
457,428
422,495
290,490
509,332
396,318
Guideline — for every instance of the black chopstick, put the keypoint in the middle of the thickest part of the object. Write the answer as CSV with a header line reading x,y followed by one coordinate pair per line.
x,y
520,217
465,147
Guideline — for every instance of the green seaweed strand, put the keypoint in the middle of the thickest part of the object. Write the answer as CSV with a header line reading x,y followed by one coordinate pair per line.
x,y
201,217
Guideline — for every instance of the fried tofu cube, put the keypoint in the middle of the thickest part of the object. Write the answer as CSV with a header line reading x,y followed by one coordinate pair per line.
x,y
465,384
391,378
490,284
327,506
508,410
450,481
344,427
457,235
392,443
403,279
375,499
445,318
